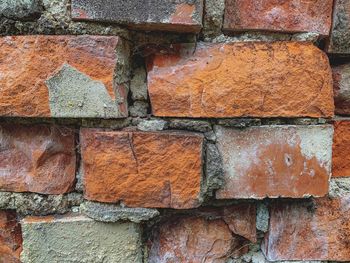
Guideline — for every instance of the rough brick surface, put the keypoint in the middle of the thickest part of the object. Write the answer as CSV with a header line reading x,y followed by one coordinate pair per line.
x,y
37,158
340,35
75,238
341,80
314,230
142,169
197,239
279,79
276,15
59,76
180,16
341,149
10,237
274,161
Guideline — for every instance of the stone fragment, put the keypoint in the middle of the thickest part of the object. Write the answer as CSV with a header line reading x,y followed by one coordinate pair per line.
x,y
138,84
76,238
339,187
74,95
213,18
341,149
242,79
37,158
139,109
61,76
114,213
152,125
190,125
10,237
275,161
262,217
339,42
279,16
184,16
214,171
142,169
341,80
316,229
20,9
194,239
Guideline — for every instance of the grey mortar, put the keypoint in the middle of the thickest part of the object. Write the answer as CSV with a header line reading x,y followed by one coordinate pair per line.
x,y
152,125
74,95
37,204
113,213
20,9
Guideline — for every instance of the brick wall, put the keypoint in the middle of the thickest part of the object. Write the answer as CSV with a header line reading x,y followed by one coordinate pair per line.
x,y
174,131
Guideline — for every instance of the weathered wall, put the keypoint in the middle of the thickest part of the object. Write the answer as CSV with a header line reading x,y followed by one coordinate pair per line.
x,y
174,131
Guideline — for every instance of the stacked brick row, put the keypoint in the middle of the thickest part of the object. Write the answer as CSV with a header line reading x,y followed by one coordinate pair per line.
x,y
174,131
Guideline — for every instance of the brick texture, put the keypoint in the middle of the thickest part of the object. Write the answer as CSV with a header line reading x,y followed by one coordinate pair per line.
x,y
197,239
28,63
38,158
142,169
275,161
341,149
10,237
280,16
280,79
309,230
341,80
181,16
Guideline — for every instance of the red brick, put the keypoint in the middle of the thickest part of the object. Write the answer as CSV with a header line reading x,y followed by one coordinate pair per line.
x,y
10,237
341,78
139,169
279,79
341,149
198,239
275,161
38,158
181,15
280,16
28,62
313,230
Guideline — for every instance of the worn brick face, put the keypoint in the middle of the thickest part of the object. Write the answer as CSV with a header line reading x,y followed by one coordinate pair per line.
x,y
340,35
275,161
198,239
179,16
341,149
341,79
279,79
142,169
10,237
37,158
31,64
310,230
281,16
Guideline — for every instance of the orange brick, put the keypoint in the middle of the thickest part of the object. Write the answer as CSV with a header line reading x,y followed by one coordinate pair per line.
x,y
212,237
10,237
341,149
142,169
29,62
184,16
280,79
275,161
309,230
38,158
280,16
